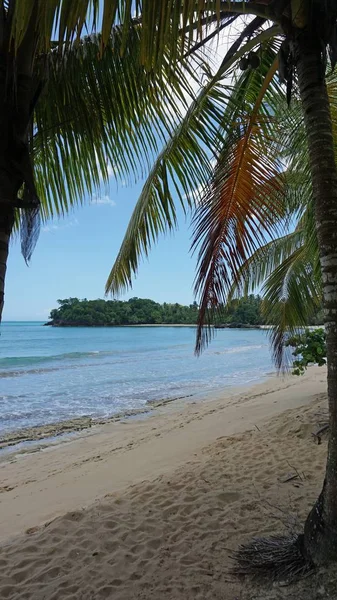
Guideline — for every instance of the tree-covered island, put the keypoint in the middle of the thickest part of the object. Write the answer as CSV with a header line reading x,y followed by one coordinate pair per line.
x,y
73,312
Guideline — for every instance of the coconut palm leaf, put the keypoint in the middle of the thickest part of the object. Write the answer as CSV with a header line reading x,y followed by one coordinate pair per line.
x,y
292,288
263,262
162,22
287,268
184,167
286,271
108,114
241,207
292,295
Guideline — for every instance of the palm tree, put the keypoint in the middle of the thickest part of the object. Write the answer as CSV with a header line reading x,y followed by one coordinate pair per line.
x,y
71,110
243,199
286,270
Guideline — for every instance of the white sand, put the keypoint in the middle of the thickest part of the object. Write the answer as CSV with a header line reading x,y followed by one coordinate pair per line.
x,y
147,509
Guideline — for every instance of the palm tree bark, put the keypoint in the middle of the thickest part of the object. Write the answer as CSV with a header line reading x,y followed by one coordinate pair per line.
x,y
320,535
6,225
16,106
10,183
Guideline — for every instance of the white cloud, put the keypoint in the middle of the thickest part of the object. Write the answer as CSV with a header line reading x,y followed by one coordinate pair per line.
x,y
61,225
111,171
199,191
196,195
103,200
49,228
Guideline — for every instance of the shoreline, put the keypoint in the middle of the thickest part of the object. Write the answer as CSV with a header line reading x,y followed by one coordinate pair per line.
x,y
193,325
46,431
39,436
48,481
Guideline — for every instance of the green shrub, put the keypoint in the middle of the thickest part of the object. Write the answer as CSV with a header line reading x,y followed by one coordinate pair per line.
x,y
309,347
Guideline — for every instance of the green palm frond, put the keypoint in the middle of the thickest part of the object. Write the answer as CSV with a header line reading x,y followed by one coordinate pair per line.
x,y
263,262
332,93
107,113
162,22
292,295
184,167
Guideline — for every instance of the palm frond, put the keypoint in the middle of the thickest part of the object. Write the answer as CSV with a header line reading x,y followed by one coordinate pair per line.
x,y
107,114
241,206
292,295
332,93
179,20
286,271
292,290
184,167
265,260
287,267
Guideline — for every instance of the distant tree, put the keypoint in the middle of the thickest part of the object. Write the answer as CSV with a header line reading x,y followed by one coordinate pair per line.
x,y
245,311
136,311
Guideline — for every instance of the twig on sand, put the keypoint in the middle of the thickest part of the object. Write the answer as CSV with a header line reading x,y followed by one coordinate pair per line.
x,y
317,434
289,477
296,471
290,521
323,414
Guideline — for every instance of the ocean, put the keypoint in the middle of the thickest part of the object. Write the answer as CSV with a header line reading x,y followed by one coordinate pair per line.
x,y
52,374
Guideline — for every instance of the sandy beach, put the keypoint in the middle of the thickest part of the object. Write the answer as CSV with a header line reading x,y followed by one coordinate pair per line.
x,y
150,508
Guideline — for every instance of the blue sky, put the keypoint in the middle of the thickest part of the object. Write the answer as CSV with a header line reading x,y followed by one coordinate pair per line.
x,y
73,257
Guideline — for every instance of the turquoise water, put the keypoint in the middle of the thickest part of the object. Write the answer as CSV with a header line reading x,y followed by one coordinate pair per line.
x,y
49,374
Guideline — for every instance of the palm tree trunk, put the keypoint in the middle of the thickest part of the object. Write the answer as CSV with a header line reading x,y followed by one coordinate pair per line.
x,y
320,535
6,225
16,105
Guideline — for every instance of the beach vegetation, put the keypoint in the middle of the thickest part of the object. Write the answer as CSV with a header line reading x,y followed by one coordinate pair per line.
x,y
308,347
